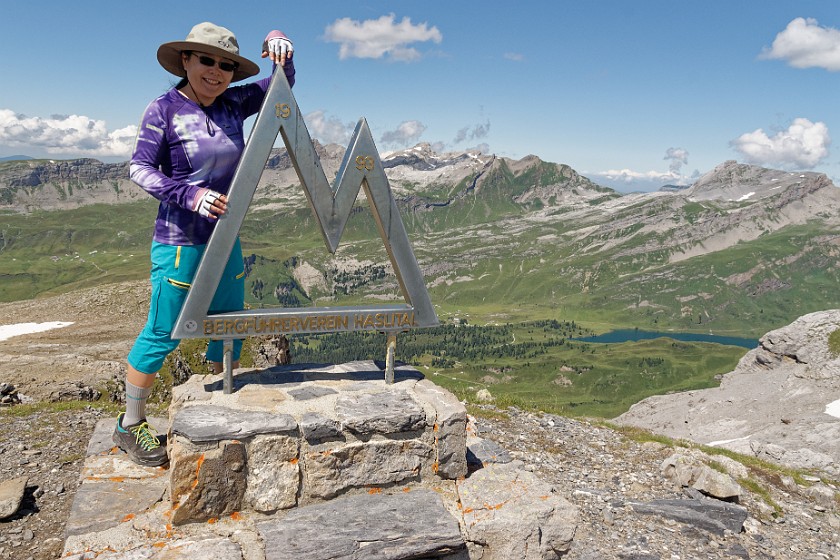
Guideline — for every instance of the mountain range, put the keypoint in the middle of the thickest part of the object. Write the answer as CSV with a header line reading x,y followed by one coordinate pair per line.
x,y
743,250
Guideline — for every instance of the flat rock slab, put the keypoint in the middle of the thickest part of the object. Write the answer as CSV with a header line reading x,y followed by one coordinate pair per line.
x,y
215,423
102,505
113,486
482,452
385,412
379,526
11,495
710,515
215,548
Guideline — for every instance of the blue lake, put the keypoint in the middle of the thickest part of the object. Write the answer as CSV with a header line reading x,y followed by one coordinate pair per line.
x,y
632,335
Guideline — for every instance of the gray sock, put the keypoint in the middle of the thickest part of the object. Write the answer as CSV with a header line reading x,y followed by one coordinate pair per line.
x,y
135,403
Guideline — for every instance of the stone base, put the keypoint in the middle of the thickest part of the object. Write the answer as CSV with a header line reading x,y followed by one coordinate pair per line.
x,y
293,435
315,464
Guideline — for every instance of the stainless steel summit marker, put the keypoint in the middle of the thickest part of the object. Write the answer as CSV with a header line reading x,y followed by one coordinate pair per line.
x,y
331,206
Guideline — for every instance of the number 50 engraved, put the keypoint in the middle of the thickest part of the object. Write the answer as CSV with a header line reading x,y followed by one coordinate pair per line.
x,y
364,162
282,110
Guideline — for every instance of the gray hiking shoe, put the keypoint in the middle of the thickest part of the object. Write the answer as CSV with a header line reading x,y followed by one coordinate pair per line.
x,y
140,443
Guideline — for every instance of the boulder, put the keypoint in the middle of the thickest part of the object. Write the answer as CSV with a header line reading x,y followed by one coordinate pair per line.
x,y
510,513
11,496
386,527
689,471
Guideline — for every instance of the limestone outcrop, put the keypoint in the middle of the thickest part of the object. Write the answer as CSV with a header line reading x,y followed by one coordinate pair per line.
x,y
779,404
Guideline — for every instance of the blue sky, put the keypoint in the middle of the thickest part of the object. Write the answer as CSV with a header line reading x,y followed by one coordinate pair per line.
x,y
633,94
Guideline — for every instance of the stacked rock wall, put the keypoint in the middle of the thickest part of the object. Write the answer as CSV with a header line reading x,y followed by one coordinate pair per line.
x,y
288,437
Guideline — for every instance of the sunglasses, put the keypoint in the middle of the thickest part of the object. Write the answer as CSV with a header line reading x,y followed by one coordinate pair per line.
x,y
223,66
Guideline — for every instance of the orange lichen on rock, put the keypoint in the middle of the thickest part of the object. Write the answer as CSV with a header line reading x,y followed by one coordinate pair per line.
x,y
128,517
198,465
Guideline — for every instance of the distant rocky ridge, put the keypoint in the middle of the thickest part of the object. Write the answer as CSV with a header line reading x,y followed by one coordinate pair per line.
x,y
63,184
736,182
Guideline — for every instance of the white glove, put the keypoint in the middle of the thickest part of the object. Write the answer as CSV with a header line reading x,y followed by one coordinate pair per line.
x,y
279,49
204,203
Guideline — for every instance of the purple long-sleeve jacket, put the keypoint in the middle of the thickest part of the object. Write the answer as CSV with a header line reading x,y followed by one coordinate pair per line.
x,y
182,147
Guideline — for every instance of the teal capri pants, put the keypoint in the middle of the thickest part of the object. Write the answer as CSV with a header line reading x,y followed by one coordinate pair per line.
x,y
173,269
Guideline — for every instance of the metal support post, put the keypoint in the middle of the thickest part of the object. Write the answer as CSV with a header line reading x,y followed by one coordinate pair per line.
x,y
228,367
389,357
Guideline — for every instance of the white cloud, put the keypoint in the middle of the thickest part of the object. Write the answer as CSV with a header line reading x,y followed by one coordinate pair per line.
x,y
478,131
406,134
803,145
629,176
377,38
65,134
328,130
678,158
516,57
804,44
628,180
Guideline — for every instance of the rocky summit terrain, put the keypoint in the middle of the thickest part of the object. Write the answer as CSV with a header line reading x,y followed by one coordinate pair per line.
x,y
639,495
619,484
746,470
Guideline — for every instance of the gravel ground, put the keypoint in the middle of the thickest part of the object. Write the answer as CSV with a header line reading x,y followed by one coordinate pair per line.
x,y
601,471
48,448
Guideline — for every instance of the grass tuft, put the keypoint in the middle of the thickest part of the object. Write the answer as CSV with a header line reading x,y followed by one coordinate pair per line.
x,y
834,343
757,489
23,410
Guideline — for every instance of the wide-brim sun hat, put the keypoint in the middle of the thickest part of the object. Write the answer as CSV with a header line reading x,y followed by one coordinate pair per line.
x,y
211,39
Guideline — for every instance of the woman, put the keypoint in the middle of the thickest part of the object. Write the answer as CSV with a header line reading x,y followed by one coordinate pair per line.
x,y
188,145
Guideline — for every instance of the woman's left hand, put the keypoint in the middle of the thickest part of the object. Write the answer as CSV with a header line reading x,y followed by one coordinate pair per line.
x,y
210,204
